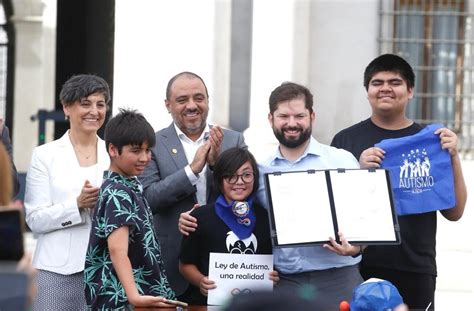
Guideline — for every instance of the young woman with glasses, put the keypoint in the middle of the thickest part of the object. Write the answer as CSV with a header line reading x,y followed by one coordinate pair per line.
x,y
234,223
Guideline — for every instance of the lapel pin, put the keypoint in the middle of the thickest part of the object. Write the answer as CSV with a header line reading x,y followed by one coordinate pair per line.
x,y
174,151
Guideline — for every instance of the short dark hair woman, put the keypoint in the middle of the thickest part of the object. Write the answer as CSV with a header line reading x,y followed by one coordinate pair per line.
x,y
61,191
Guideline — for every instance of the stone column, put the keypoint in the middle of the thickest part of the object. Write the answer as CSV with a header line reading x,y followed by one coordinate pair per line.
x,y
34,24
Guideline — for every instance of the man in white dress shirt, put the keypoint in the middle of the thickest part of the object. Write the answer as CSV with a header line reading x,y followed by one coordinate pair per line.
x,y
179,173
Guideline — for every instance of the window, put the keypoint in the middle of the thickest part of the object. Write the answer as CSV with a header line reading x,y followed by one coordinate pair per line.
x,y
436,38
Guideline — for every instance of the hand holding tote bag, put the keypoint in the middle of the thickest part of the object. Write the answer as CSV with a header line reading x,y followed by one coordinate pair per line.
x,y
420,171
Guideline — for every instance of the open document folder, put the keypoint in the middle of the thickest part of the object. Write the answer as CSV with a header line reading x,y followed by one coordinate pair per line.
x,y
308,207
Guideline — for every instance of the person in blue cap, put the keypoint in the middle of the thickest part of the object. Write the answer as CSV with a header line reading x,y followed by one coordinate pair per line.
x,y
377,294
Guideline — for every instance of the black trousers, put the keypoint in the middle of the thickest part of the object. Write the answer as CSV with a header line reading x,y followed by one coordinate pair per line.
x,y
324,288
417,289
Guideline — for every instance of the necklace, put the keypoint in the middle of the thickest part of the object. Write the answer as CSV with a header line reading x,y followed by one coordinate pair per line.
x,y
82,153
85,155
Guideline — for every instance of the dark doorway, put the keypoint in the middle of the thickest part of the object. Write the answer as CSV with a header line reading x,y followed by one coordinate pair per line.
x,y
84,44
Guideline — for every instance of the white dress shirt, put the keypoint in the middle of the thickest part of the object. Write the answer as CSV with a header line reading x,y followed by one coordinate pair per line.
x,y
190,147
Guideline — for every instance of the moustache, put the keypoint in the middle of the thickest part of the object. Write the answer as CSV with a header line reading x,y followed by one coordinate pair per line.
x,y
191,111
294,128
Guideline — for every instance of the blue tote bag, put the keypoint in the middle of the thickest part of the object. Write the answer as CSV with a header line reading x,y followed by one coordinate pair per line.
x,y
420,171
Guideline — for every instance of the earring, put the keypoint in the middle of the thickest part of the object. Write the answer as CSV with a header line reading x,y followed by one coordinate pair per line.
x,y
66,117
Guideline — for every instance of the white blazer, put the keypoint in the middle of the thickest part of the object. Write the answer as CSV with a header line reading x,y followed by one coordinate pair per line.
x,y
53,183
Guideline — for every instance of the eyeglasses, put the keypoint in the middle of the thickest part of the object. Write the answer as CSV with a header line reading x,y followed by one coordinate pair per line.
x,y
247,177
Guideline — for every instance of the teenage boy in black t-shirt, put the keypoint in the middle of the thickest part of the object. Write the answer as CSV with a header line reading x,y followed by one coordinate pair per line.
x,y
410,266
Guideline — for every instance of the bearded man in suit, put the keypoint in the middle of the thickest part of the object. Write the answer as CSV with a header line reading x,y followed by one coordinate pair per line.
x,y
179,175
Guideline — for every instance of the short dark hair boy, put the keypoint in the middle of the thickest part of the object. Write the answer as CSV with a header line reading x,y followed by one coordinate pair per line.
x,y
391,63
123,261
414,260
128,128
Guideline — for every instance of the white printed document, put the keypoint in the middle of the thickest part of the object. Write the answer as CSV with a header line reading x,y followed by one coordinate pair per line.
x,y
308,207
238,273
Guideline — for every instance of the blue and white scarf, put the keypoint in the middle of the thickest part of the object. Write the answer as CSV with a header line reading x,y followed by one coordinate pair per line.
x,y
238,216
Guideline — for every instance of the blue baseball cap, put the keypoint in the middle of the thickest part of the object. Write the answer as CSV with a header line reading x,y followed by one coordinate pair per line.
x,y
375,295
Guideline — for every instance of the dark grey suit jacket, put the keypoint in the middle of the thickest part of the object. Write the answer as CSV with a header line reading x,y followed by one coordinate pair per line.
x,y
169,193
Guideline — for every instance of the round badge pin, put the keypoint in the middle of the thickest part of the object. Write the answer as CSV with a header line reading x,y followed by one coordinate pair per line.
x,y
240,209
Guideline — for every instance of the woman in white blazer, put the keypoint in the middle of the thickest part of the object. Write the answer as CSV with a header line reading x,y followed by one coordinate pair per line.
x,y
62,186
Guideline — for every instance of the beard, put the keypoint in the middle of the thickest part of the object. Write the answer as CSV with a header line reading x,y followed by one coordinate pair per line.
x,y
292,142
195,127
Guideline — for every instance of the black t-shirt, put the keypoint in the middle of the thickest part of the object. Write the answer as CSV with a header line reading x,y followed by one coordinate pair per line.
x,y
213,235
417,251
